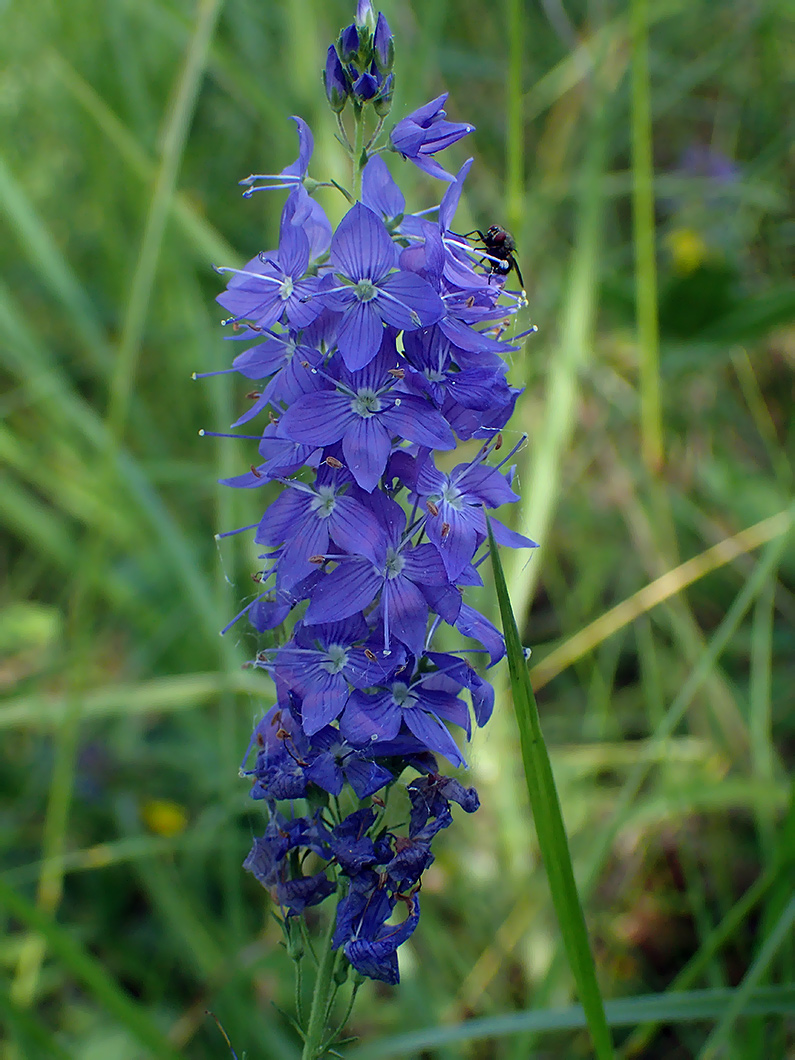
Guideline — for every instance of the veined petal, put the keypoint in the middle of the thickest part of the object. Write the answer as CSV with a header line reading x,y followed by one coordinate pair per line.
x,y
356,530
324,703
407,612
423,565
359,335
379,191
293,250
361,248
366,446
409,293
417,421
367,719
348,589
433,734
318,419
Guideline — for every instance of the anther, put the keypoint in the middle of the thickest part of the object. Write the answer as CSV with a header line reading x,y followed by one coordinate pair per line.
x,y
498,443
432,508
255,472
252,395
332,461
445,530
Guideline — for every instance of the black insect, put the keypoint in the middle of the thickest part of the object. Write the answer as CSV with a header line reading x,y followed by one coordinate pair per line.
x,y
499,245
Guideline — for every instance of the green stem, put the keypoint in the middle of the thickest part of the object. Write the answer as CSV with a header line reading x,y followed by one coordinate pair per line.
x,y
358,151
315,1031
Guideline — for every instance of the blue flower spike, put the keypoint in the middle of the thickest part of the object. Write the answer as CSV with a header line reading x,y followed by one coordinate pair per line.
x,y
370,348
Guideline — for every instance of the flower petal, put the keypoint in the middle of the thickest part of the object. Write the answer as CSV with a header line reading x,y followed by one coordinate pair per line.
x,y
361,248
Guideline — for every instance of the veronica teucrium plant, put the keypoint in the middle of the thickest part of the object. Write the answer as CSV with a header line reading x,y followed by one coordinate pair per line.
x,y
378,347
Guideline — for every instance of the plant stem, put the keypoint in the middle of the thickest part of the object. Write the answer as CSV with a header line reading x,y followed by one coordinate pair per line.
x,y
315,1031
358,151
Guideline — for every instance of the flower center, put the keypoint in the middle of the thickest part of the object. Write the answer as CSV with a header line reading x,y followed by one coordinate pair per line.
x,y
336,659
452,495
394,563
286,288
402,696
324,503
366,403
365,290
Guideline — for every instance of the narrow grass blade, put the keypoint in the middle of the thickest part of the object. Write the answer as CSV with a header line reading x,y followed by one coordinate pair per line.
x,y
548,819
684,1007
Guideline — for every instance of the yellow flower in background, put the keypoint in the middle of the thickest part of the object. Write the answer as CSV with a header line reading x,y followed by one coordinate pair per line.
x,y
687,248
164,817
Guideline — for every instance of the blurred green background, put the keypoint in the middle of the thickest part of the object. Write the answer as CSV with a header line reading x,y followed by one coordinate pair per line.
x,y
658,479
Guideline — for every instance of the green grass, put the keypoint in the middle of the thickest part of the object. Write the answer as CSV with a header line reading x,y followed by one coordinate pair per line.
x,y
662,631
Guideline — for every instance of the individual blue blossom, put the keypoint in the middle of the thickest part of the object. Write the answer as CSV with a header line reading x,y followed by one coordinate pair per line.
x,y
371,292
334,762
306,518
268,862
368,941
291,176
456,503
273,287
323,661
405,699
401,581
365,412
425,132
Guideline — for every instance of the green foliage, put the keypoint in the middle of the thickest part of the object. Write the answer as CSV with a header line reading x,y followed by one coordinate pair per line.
x,y
664,688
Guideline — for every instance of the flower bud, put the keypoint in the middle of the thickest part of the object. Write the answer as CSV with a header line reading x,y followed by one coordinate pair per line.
x,y
336,82
366,85
383,46
382,104
365,16
348,44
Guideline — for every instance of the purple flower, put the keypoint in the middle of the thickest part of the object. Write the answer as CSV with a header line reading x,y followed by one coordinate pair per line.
x,y
455,504
373,950
324,661
334,762
272,287
291,176
371,294
365,412
424,132
405,699
306,517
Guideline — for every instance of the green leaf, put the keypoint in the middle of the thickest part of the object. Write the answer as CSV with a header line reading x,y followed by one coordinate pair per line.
x,y
550,829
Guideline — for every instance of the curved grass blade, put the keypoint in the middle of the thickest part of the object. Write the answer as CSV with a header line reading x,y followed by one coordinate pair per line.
x,y
680,1007
550,829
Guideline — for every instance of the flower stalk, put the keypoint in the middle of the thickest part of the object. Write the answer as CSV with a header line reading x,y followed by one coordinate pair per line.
x,y
373,346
